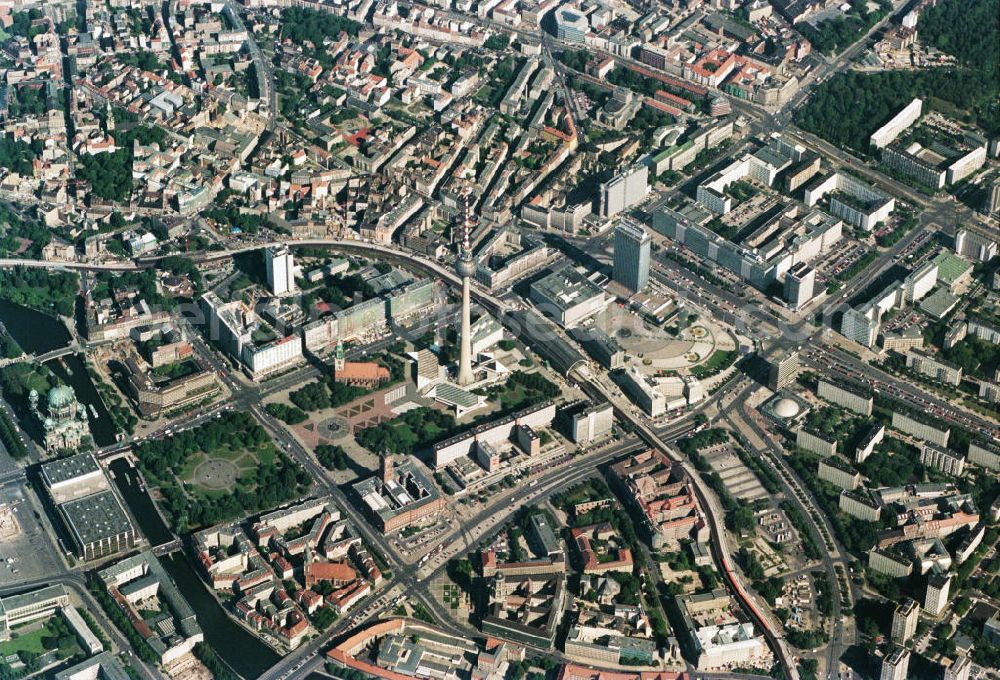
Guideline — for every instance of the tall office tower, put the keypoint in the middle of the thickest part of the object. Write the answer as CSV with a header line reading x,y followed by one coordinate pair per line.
x,y
920,282
861,324
959,670
465,267
800,282
895,664
623,191
781,369
631,255
427,368
975,245
280,270
904,621
992,202
936,598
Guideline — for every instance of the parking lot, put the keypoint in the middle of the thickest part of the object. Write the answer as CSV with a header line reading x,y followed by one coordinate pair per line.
x,y
740,481
30,540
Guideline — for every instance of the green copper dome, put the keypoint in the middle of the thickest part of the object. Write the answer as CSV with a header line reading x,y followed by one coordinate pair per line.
x,y
61,396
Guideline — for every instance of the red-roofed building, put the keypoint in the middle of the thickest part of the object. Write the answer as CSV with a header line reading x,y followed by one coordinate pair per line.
x,y
282,567
358,137
294,629
367,564
592,563
342,600
712,68
662,495
309,600
342,658
602,67
666,108
336,573
362,374
670,98
488,562
574,672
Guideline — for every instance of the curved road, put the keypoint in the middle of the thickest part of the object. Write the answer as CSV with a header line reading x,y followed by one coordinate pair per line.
x,y
499,308
709,505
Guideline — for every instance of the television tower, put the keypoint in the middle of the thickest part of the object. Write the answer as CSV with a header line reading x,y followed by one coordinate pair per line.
x,y
465,266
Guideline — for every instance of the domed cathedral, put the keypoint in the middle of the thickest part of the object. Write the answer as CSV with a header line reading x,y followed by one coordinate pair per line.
x,y
64,421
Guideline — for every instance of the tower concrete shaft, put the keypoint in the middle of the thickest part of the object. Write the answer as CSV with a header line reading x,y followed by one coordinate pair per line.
x,y
465,376
465,267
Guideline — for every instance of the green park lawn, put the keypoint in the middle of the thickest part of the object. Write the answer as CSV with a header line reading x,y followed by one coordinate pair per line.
x,y
720,360
31,640
246,460
25,642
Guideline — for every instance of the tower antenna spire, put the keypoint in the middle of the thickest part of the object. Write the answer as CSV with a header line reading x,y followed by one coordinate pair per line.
x,y
467,225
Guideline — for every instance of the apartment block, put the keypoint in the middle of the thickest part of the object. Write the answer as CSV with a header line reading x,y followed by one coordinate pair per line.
x,y
909,162
815,443
984,329
947,461
920,281
781,369
910,424
853,397
860,504
861,325
959,670
970,543
986,455
938,590
851,199
631,255
280,264
895,664
839,473
934,367
975,245
592,423
904,621
800,284
989,391
889,563
868,443
886,134
623,191
903,339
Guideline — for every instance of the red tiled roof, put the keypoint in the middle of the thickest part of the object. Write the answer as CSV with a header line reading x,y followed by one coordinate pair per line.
x,y
329,571
362,370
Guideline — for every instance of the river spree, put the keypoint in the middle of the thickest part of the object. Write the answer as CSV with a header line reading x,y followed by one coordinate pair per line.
x,y
244,653
39,333
35,332
71,370
130,485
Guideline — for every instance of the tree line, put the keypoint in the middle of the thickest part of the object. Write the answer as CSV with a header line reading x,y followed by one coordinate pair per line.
x,y
269,484
39,289
849,107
